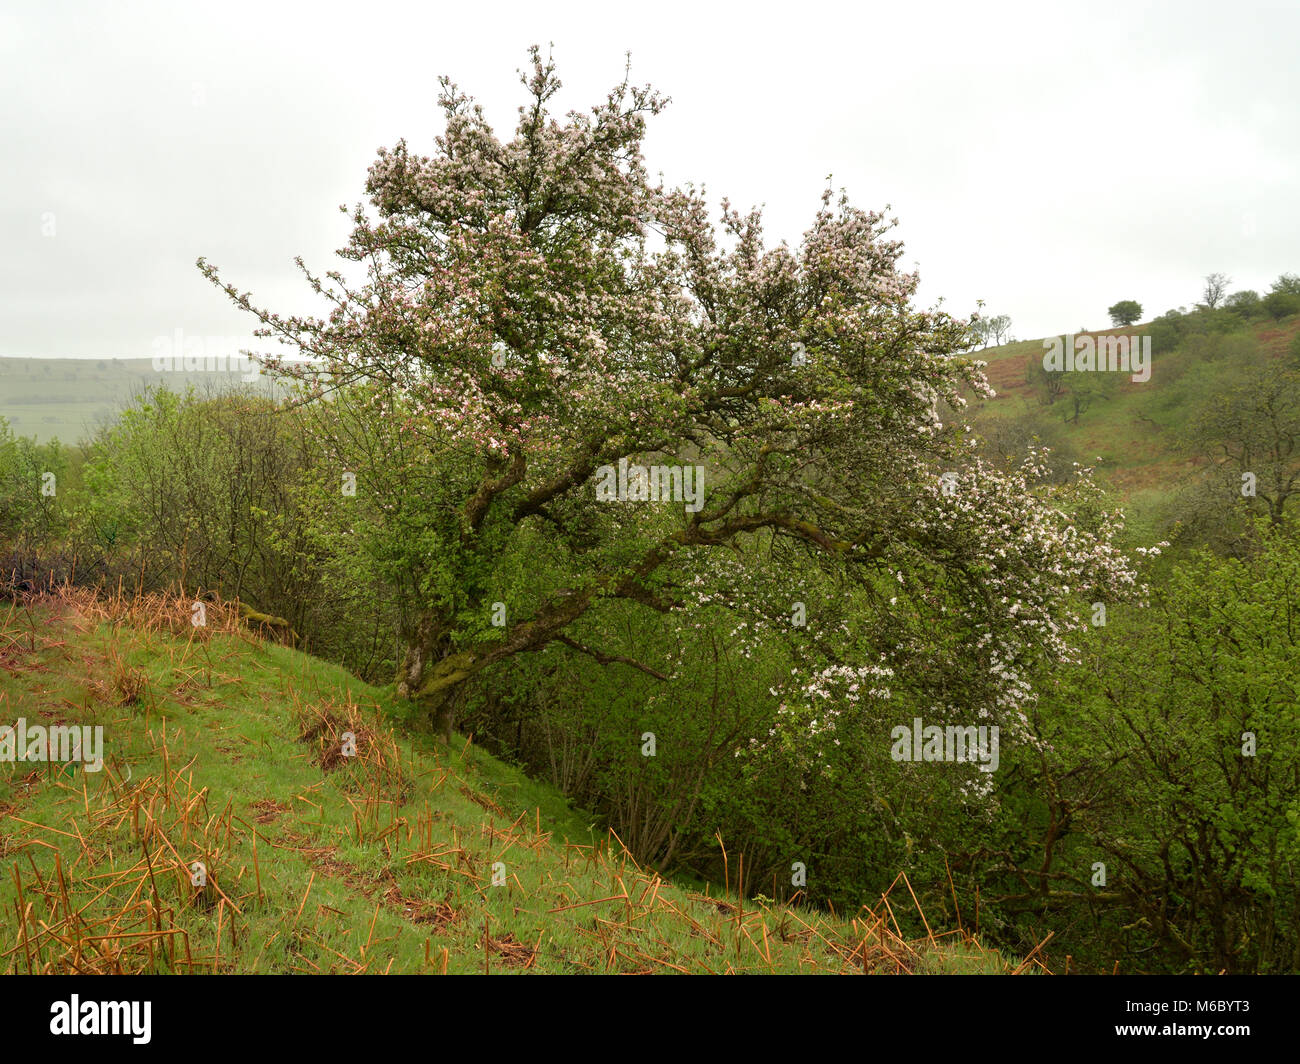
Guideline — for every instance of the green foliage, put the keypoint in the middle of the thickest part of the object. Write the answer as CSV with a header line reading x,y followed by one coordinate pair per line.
x,y
1287,284
1167,331
1170,757
1282,304
35,482
1251,430
1005,440
1245,304
1125,312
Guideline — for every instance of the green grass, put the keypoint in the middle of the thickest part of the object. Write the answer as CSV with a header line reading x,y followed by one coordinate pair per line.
x,y
412,856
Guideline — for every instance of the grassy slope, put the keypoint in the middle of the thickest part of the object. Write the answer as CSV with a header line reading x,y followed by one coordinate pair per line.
x,y
222,748
1134,433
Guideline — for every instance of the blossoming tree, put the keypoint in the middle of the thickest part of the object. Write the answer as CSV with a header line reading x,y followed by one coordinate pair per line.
x,y
535,309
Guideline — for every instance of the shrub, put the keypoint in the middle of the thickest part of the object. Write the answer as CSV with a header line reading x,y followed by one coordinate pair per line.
x,y
1282,304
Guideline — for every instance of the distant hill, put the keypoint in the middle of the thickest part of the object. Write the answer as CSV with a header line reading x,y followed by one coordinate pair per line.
x,y
69,398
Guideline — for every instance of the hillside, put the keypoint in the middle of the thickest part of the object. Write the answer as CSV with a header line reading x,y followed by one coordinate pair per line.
x,y
1134,430
225,749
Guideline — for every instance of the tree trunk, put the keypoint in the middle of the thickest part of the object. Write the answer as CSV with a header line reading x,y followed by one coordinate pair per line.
x,y
433,673
427,655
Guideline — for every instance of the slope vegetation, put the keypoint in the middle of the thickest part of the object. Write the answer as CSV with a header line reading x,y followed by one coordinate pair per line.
x,y
227,751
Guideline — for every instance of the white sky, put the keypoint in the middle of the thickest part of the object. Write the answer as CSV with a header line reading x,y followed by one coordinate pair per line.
x,y
1048,159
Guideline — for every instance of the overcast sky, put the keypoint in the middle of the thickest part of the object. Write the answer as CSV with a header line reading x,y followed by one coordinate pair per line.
x,y
1049,159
